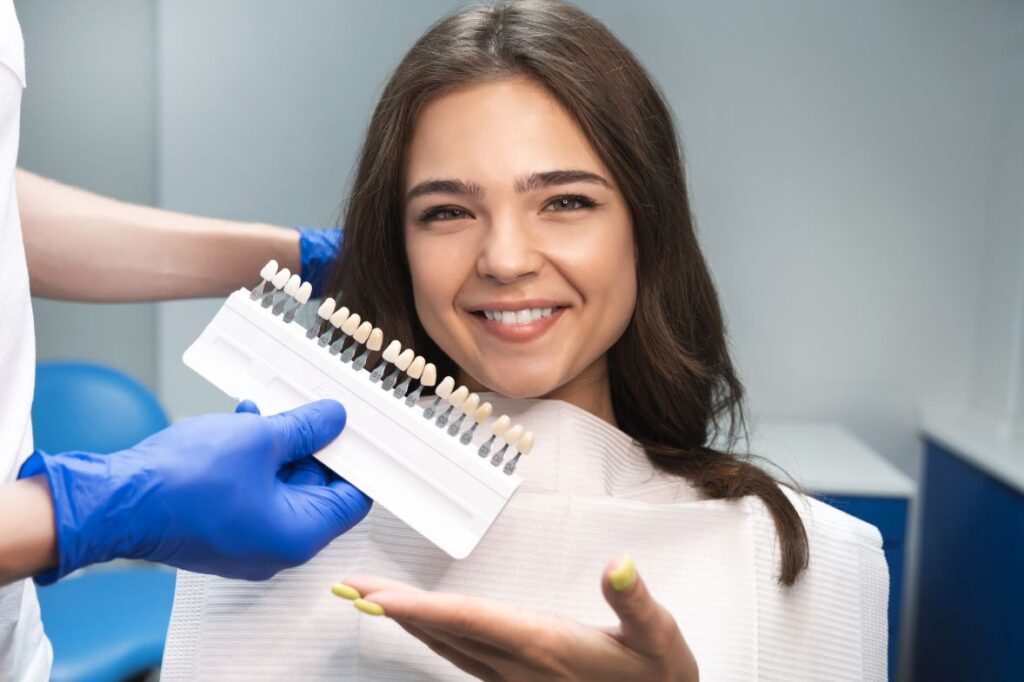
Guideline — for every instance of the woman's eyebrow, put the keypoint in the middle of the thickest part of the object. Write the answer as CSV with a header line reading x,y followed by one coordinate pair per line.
x,y
445,187
558,177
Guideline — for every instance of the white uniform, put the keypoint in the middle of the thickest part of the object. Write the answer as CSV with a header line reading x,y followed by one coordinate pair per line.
x,y
25,653
588,495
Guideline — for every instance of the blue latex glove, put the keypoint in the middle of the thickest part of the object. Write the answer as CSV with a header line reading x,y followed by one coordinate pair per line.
x,y
317,251
236,495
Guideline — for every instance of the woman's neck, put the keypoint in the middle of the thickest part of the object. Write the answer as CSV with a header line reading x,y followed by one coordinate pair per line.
x,y
590,390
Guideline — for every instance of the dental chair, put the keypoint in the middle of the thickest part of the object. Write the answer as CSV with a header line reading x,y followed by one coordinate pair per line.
x,y
106,623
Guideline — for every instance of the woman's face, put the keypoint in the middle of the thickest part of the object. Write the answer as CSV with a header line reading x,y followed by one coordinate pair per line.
x,y
520,245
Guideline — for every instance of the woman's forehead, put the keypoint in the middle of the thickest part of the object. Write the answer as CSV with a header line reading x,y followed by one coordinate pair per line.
x,y
497,133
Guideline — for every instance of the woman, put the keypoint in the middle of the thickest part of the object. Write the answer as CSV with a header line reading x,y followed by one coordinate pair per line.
x,y
520,216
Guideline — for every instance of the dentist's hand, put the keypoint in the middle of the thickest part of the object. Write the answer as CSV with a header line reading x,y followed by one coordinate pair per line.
x,y
236,495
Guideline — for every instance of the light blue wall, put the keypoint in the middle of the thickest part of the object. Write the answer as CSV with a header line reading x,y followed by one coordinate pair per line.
x,y
89,119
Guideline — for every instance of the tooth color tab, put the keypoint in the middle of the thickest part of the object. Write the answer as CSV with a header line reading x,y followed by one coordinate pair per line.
x,y
459,396
269,270
339,317
392,351
416,368
472,402
363,332
291,287
483,412
513,434
351,324
525,443
281,278
326,308
429,377
501,425
304,292
405,359
444,389
376,339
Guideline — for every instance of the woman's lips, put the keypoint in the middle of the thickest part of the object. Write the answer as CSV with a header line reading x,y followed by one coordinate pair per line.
x,y
518,333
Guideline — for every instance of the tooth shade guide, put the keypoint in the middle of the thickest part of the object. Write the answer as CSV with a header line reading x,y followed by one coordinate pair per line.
x,y
304,292
269,270
339,316
513,434
416,368
429,377
501,425
351,324
281,278
483,412
525,443
458,396
392,351
291,287
362,334
376,340
405,359
444,389
472,402
326,308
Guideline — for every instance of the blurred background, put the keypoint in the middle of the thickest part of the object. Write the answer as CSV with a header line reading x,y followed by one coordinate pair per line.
x,y
857,173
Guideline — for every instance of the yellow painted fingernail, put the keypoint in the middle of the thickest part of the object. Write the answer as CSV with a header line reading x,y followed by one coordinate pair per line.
x,y
369,607
624,575
345,591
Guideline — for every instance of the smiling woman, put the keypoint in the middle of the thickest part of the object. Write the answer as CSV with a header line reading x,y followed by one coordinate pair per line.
x,y
520,213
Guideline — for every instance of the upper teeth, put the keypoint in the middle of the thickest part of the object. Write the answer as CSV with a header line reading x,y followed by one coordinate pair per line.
x,y
524,316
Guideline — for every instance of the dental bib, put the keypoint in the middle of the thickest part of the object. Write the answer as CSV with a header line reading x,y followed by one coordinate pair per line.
x,y
588,495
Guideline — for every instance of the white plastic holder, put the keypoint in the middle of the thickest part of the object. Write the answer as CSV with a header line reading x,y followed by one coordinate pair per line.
x,y
419,473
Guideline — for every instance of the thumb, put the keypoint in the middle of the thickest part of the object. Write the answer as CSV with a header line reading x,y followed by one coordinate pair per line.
x,y
247,407
645,625
308,428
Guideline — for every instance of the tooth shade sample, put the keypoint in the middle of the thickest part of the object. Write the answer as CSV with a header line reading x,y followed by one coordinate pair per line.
x,y
376,339
363,332
405,359
281,278
351,324
459,396
416,368
291,287
339,316
483,412
391,352
513,434
326,308
444,389
472,402
429,377
304,292
269,270
525,443
501,425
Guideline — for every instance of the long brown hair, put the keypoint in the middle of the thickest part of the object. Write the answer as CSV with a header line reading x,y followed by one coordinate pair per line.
x,y
673,385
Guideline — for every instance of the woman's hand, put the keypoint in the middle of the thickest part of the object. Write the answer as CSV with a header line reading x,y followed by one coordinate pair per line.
x,y
493,641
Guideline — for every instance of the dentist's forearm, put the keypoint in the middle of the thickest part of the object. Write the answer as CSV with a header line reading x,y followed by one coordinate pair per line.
x,y
85,247
28,542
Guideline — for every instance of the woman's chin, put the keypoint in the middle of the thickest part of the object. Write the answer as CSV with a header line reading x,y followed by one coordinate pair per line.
x,y
521,386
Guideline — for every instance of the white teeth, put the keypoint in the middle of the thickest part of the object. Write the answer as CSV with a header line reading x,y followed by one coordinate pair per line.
x,y
326,308
339,316
376,339
524,316
405,359
269,270
291,287
304,292
363,332
416,368
281,278
444,389
392,351
351,325
429,377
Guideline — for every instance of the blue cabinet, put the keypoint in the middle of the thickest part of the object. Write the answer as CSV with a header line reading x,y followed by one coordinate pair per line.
x,y
970,600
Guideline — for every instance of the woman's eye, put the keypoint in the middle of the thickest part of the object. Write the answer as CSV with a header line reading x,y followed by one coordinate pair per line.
x,y
443,213
570,203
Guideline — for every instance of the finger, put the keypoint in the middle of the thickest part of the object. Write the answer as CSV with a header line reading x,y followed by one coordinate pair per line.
x,y
330,509
307,429
460,659
507,627
365,584
645,625
307,471
247,407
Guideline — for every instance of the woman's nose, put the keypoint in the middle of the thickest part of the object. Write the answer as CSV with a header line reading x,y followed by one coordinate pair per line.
x,y
508,253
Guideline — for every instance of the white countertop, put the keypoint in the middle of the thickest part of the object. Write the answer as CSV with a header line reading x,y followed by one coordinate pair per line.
x,y
824,457
994,445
